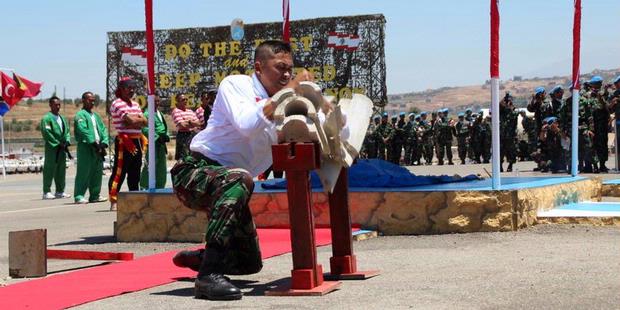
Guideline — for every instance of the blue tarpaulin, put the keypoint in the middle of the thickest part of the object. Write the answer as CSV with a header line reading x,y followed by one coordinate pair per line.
x,y
379,173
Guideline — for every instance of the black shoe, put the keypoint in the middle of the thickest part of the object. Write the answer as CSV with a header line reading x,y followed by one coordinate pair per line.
x,y
450,163
215,286
604,169
189,259
509,169
536,169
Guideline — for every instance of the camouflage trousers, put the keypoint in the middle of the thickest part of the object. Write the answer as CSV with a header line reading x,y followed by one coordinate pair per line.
x,y
204,185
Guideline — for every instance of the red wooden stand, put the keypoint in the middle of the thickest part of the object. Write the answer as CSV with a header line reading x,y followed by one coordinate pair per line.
x,y
343,264
298,159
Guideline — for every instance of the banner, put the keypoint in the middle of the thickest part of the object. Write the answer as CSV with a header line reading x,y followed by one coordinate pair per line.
x,y
345,54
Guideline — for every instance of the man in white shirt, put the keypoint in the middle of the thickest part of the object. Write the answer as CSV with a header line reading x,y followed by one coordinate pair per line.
x,y
234,147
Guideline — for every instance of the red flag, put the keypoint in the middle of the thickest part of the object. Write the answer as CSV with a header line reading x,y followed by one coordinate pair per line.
x,y
286,26
494,39
29,88
150,46
10,90
576,43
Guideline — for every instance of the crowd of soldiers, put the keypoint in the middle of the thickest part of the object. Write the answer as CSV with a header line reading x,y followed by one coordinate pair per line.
x,y
409,139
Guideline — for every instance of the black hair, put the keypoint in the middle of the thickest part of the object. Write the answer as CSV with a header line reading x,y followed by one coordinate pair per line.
x,y
86,94
269,47
53,98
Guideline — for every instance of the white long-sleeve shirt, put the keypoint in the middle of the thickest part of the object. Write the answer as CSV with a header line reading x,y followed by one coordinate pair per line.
x,y
238,135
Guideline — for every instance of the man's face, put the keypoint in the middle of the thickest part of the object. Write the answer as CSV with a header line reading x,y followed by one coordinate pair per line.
x,y
377,121
55,106
274,72
88,101
596,85
558,94
384,119
181,101
127,92
156,100
207,99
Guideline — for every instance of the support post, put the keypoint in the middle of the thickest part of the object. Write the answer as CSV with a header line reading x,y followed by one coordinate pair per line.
x,y
343,263
495,155
3,154
574,136
298,159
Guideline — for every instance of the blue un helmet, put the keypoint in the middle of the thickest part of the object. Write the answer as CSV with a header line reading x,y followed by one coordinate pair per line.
x,y
556,89
385,114
551,120
461,114
424,113
596,79
617,80
539,90
402,114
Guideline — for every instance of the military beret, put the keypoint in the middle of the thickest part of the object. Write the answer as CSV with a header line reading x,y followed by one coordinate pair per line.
x,y
539,90
376,117
551,120
385,114
596,79
468,110
402,114
556,89
461,114
411,114
617,79
423,113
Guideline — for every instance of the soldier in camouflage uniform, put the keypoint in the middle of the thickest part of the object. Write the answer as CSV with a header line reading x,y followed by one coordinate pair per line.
x,y
370,144
218,175
382,135
600,113
462,136
536,105
398,138
508,132
529,127
485,139
410,139
427,138
419,147
444,130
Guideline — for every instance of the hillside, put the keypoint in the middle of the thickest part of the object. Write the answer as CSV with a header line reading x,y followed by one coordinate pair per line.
x,y
478,96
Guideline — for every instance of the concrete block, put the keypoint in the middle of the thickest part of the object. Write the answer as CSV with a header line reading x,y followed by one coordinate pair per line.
x,y
27,253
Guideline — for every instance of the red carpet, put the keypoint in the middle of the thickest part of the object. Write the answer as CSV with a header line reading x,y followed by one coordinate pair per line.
x,y
86,285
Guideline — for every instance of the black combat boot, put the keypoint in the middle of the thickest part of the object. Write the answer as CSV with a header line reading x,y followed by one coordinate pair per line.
x,y
211,283
189,259
603,168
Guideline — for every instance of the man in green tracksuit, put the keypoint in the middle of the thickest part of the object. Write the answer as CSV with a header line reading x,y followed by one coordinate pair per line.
x,y
55,131
161,137
92,141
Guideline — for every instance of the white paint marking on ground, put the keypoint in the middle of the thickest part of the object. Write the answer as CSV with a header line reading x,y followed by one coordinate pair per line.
x,y
37,209
577,213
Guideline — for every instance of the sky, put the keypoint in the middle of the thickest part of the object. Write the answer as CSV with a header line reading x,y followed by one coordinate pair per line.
x,y
429,44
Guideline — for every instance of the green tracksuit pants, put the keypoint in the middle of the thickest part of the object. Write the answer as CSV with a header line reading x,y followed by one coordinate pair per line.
x,y
160,168
89,172
54,168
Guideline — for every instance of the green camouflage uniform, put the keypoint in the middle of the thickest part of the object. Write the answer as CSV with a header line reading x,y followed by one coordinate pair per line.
x,y
508,134
383,132
411,142
369,148
462,138
427,141
444,132
529,126
204,185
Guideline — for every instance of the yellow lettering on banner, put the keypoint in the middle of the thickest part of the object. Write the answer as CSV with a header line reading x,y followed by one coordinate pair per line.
x,y
194,78
306,42
359,90
164,81
180,80
315,73
236,62
235,48
170,51
331,92
191,100
184,50
293,42
344,92
257,42
141,100
205,49
329,73
220,49
219,76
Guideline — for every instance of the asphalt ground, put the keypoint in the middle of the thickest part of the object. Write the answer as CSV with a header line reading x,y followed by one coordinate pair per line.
x,y
546,266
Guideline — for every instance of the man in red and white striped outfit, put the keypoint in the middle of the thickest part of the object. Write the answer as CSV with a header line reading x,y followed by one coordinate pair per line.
x,y
129,144
187,124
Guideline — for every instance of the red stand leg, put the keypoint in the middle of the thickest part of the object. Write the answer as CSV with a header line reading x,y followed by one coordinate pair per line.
x,y
343,264
307,275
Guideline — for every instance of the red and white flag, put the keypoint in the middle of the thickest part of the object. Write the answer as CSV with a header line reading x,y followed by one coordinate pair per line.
x,y
494,39
349,42
576,43
133,56
11,93
286,26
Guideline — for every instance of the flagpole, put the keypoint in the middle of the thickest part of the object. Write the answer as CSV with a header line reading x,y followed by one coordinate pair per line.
x,y
576,86
150,69
3,154
494,68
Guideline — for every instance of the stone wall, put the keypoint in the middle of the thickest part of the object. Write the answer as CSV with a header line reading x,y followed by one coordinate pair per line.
x,y
161,217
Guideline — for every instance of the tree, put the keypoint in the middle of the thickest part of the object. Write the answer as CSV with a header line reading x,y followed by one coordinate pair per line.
x,y
97,100
414,110
29,102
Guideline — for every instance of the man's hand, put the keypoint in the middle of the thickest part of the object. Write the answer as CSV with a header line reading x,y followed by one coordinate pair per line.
x,y
134,121
270,107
